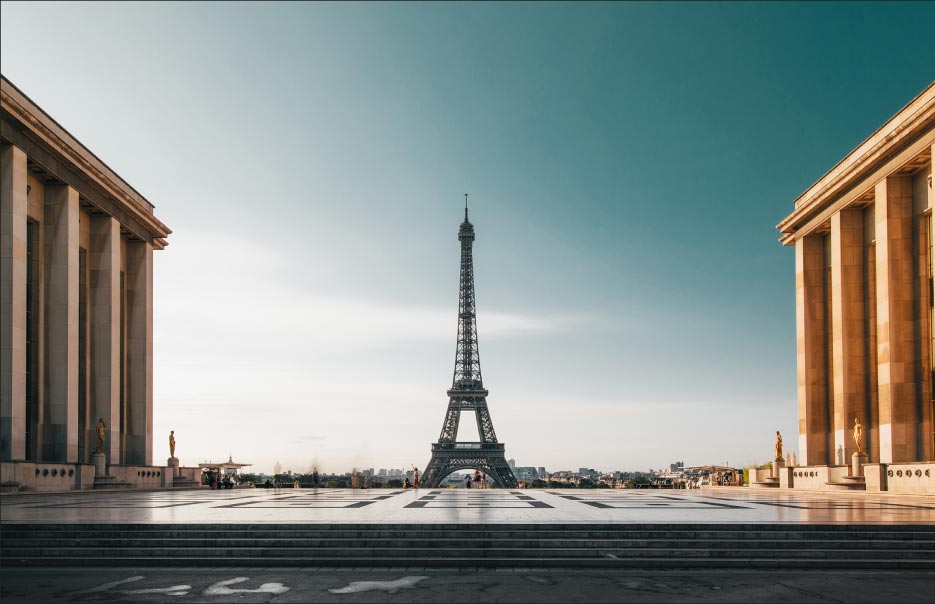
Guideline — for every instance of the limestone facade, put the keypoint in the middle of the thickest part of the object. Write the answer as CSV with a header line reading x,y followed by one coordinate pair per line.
x,y
863,238
76,298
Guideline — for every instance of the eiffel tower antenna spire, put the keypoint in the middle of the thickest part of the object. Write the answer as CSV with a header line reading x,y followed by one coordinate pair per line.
x,y
467,392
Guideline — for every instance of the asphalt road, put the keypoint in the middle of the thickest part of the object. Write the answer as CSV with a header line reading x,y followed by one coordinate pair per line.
x,y
451,586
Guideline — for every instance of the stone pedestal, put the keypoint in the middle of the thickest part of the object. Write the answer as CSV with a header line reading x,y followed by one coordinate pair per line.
x,y
857,461
786,478
778,463
100,464
172,467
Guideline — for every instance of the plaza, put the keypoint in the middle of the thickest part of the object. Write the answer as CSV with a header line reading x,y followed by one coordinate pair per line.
x,y
459,506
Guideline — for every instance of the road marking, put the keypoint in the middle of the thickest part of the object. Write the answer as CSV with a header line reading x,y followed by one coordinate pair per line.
x,y
175,590
356,587
221,588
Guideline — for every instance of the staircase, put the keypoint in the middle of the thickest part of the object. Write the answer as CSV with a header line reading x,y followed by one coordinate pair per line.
x,y
180,482
487,546
769,482
849,483
110,482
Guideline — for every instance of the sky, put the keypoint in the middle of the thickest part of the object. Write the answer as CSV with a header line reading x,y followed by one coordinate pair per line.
x,y
626,165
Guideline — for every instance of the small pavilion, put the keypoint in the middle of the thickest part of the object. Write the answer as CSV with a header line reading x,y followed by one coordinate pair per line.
x,y
227,467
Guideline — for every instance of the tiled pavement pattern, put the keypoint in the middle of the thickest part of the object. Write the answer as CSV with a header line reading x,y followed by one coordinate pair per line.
x,y
387,506
460,499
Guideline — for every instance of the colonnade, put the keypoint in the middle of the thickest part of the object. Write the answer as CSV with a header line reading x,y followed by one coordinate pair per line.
x,y
864,304
76,323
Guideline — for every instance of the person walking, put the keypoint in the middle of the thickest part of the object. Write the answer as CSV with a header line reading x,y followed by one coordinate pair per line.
x,y
467,481
483,481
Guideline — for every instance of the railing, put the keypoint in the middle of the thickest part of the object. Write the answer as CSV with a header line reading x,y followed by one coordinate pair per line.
x,y
467,447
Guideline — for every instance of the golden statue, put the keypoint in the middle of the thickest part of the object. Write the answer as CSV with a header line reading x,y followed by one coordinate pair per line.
x,y
778,445
858,432
100,435
172,444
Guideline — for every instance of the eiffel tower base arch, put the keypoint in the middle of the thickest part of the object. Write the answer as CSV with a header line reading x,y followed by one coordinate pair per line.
x,y
452,457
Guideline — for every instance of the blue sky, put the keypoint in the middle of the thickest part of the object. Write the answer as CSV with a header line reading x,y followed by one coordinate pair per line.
x,y
627,165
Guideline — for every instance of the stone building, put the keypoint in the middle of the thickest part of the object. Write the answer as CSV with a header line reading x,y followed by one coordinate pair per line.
x,y
863,237
76,301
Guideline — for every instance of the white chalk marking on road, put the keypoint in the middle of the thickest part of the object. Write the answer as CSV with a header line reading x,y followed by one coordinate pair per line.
x,y
175,590
106,586
356,587
221,588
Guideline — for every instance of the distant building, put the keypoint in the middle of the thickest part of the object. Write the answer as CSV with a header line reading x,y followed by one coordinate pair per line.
x,y
863,236
76,306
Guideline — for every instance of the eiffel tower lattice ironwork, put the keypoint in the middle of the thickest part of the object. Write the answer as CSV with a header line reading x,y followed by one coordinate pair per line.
x,y
467,392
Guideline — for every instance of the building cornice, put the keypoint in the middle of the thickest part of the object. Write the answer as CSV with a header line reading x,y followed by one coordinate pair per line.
x,y
912,122
25,124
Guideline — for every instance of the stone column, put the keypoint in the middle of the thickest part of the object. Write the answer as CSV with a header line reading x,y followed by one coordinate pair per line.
x,y
847,318
927,452
139,285
104,266
895,320
12,303
811,350
60,413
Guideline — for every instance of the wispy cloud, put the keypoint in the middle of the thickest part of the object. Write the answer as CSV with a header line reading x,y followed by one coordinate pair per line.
x,y
248,295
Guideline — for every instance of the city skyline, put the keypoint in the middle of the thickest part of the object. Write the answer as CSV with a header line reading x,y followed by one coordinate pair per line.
x,y
625,191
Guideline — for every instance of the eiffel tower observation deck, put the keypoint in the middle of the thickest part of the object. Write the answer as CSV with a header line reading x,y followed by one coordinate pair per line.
x,y
467,392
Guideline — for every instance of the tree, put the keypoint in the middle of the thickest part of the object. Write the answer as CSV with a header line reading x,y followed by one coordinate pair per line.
x,y
637,481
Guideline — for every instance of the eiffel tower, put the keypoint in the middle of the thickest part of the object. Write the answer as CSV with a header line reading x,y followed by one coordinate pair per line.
x,y
467,392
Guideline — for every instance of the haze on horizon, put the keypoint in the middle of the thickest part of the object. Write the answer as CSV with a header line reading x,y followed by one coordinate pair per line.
x,y
627,165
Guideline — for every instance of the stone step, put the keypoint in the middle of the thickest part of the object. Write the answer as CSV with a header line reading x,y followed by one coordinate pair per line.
x,y
12,553
186,483
8,532
410,564
394,529
234,542
847,486
110,482
498,527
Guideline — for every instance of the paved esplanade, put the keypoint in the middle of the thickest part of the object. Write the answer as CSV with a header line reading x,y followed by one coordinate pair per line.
x,y
441,506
